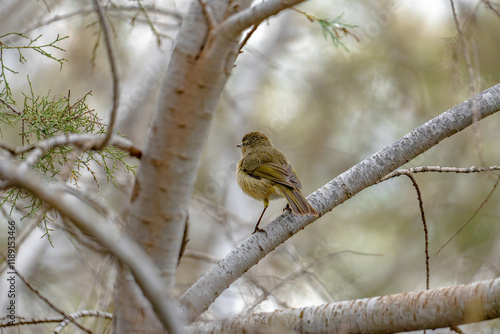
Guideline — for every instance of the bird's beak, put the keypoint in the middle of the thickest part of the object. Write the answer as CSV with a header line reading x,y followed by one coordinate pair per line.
x,y
239,145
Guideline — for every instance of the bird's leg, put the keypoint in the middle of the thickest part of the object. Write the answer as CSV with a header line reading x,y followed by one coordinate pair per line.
x,y
257,229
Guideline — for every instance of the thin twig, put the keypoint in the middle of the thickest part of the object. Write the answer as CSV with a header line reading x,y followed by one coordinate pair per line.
x,y
304,270
8,105
472,81
207,11
490,6
426,232
148,20
62,320
439,169
114,72
47,301
247,37
111,237
85,141
471,217
83,313
457,330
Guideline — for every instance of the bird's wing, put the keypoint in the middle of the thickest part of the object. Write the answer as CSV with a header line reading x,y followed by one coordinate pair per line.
x,y
279,173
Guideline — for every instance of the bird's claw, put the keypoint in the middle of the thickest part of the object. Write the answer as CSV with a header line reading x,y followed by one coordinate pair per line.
x,y
287,208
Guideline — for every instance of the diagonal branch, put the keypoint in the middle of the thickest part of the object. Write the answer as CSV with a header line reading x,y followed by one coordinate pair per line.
x,y
436,308
118,243
240,21
366,173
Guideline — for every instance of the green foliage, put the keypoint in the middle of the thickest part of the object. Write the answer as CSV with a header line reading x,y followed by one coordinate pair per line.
x,y
31,44
47,116
332,29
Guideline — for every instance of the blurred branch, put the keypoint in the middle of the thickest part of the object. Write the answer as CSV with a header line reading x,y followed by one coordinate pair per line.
x,y
46,300
85,141
113,11
114,73
431,309
80,314
494,7
458,170
305,271
248,17
112,237
8,105
366,173
471,217
439,169
424,223
473,80
63,320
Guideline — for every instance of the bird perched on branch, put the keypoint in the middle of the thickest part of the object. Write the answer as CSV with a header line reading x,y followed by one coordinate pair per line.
x,y
264,173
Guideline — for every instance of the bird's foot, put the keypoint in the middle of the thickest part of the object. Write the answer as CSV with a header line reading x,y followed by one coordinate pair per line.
x,y
287,208
259,230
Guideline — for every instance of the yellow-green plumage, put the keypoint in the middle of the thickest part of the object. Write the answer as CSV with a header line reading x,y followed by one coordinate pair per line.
x,y
264,173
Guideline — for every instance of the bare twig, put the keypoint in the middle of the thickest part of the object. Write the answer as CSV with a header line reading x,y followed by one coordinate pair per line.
x,y
149,22
409,174
466,53
118,243
79,314
114,72
457,330
8,105
63,320
200,256
426,232
207,11
439,169
471,217
85,141
47,301
491,7
248,35
305,270
472,80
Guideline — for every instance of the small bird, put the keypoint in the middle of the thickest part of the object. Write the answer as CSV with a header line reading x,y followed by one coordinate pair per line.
x,y
264,173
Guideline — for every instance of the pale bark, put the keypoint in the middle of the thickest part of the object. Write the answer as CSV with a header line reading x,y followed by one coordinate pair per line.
x,y
205,50
202,294
431,309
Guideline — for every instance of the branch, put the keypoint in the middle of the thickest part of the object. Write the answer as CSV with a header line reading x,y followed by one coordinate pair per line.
x,y
85,141
63,320
426,232
114,73
439,169
118,243
470,218
47,301
202,294
235,24
8,105
79,314
430,309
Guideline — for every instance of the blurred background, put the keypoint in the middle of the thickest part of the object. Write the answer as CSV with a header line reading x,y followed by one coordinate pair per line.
x,y
326,107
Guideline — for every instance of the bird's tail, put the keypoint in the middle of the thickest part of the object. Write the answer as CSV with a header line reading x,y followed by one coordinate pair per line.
x,y
297,202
